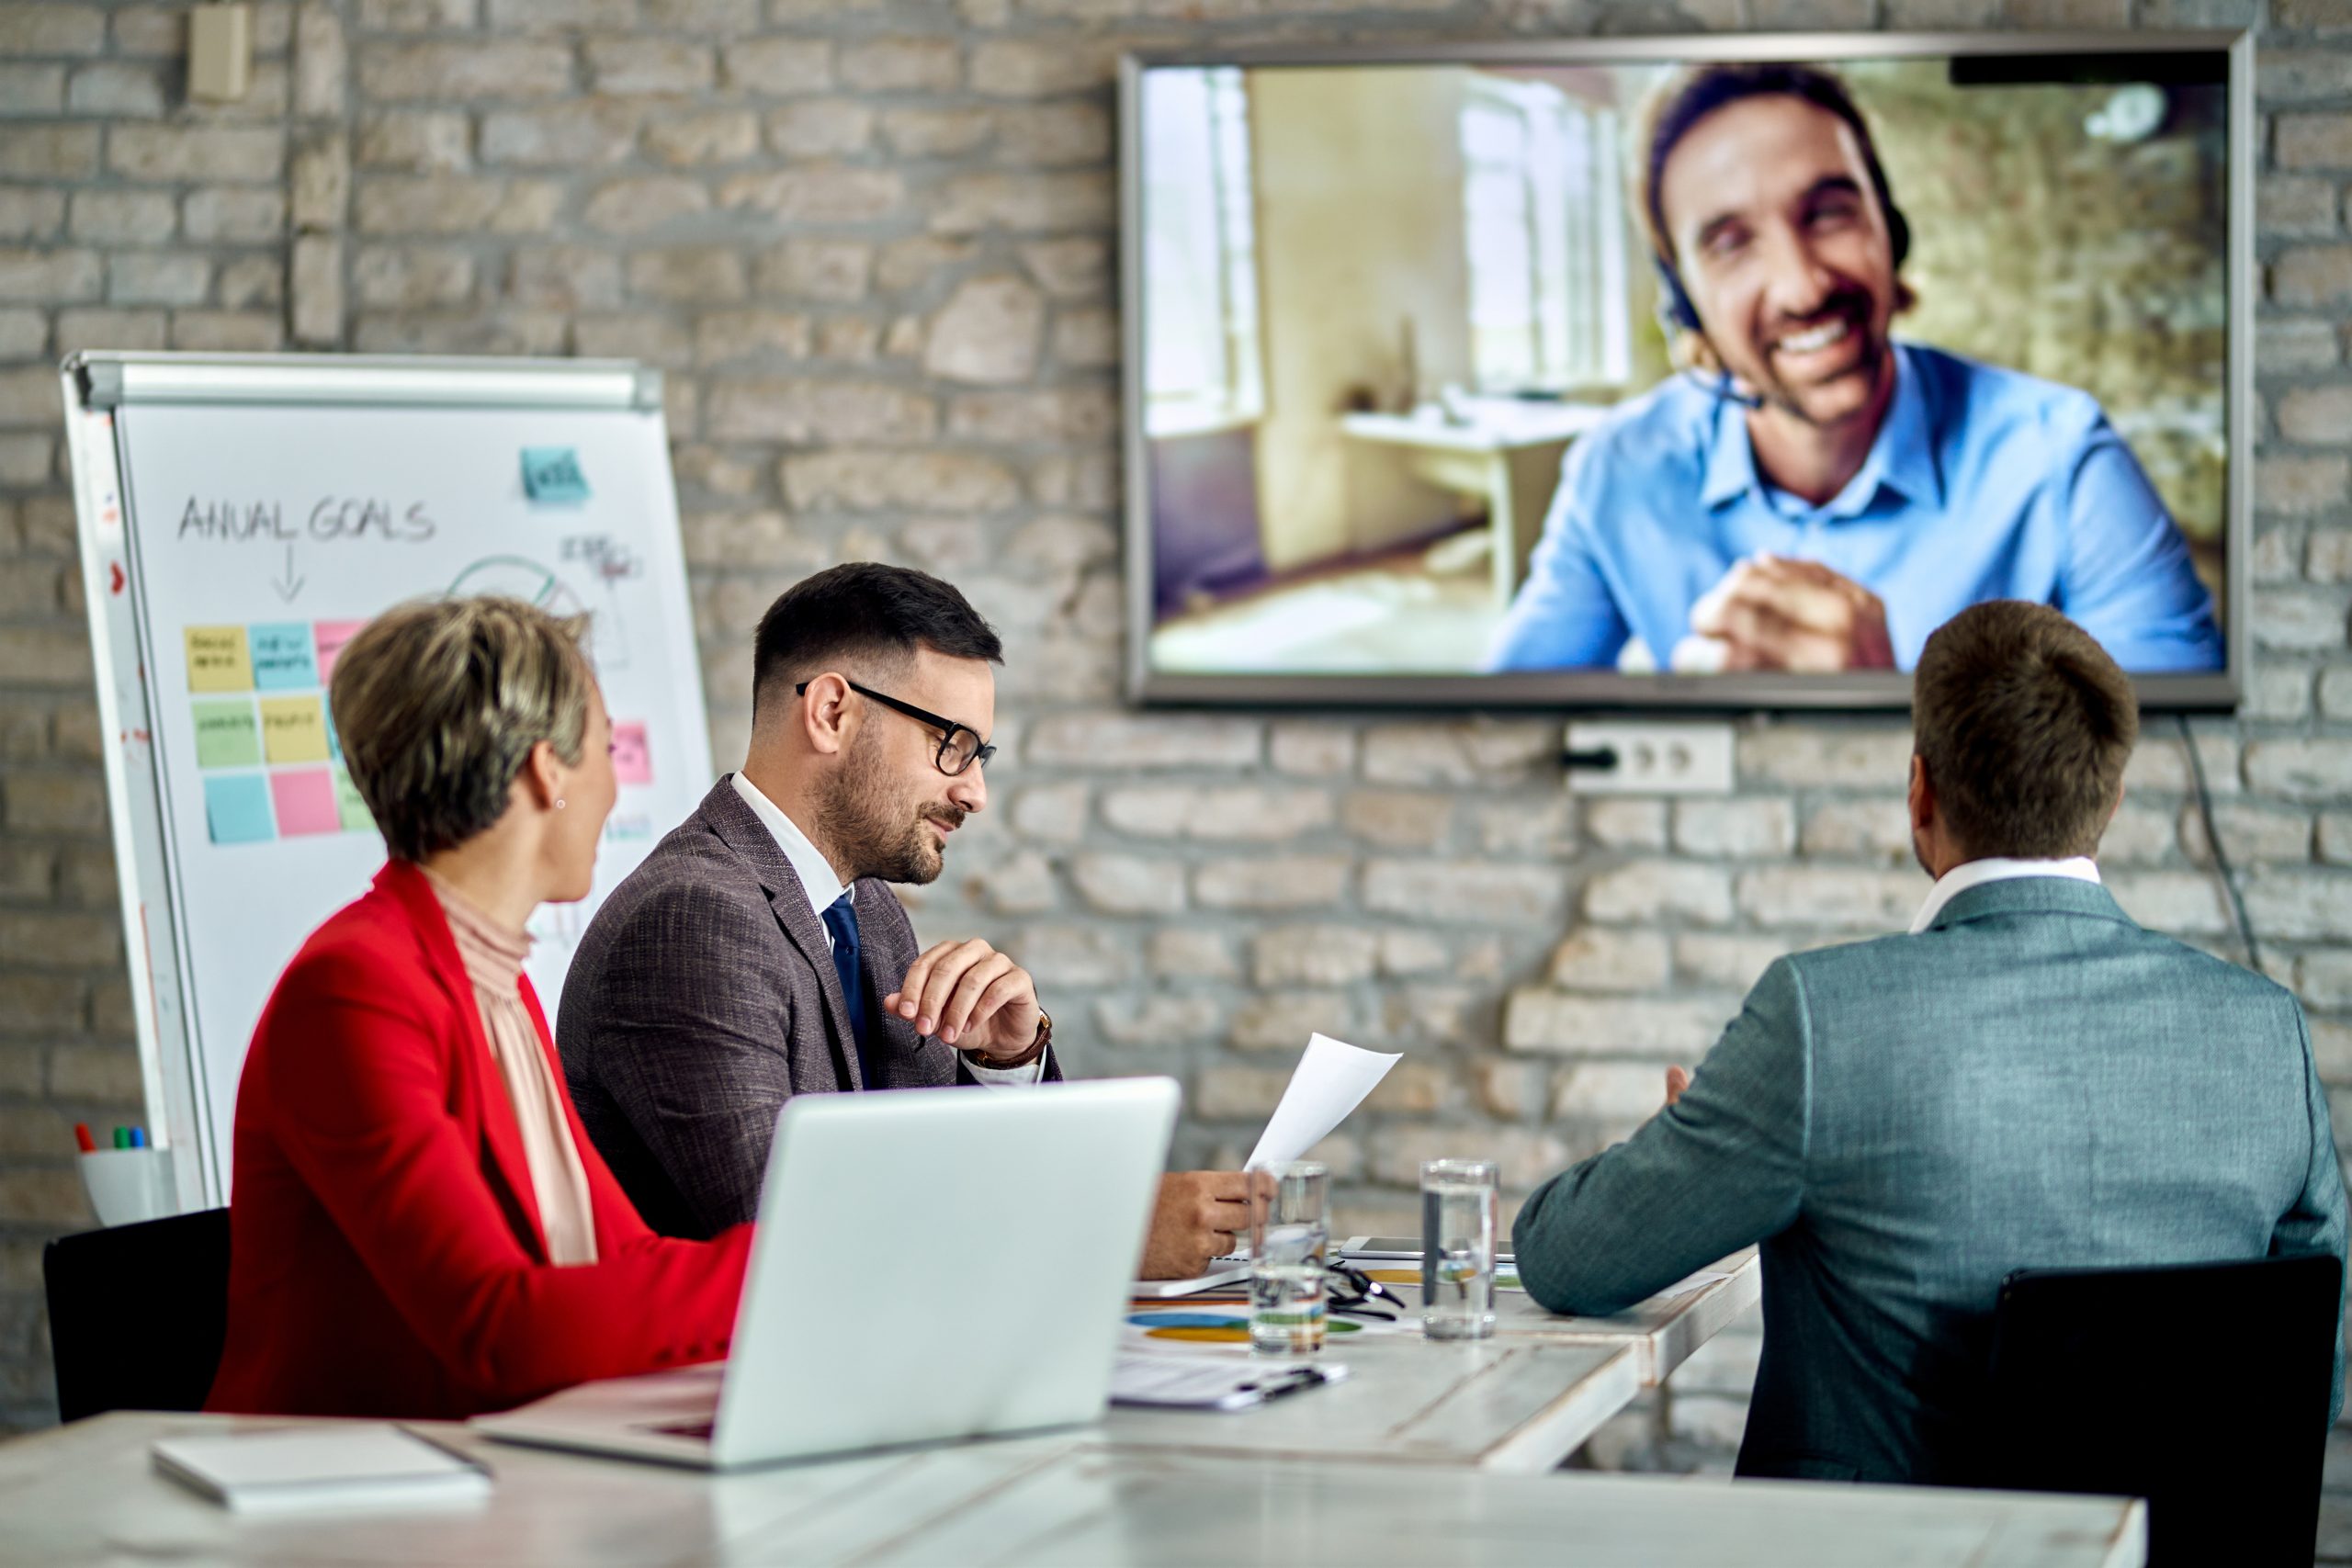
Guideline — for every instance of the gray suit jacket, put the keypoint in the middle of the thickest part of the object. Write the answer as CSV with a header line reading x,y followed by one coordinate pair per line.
x,y
704,995
2032,1082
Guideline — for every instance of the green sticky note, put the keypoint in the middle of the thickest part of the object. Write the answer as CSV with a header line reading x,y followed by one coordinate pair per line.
x,y
227,735
552,474
356,819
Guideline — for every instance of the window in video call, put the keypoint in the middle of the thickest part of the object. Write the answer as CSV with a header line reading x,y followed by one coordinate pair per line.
x,y
1690,368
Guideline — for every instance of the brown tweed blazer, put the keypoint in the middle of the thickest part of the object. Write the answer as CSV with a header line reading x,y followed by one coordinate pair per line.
x,y
704,995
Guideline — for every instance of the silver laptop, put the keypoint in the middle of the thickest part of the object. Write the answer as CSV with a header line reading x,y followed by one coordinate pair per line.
x,y
929,1264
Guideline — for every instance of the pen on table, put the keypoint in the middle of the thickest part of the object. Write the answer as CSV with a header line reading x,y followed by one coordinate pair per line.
x,y
1306,1376
455,1452
88,1145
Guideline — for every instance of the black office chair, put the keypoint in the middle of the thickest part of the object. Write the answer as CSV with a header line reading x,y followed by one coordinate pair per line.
x,y
138,1314
2098,1383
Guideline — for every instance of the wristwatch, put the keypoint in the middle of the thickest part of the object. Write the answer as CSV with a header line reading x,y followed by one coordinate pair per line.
x,y
1036,1048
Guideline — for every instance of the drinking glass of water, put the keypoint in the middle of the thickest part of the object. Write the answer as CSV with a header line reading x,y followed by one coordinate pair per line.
x,y
1458,1209
1289,1233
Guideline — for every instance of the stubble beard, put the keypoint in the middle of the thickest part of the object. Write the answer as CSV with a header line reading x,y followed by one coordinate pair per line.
x,y
869,824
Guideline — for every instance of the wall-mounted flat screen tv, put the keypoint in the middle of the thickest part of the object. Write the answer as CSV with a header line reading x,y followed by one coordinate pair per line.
x,y
1711,373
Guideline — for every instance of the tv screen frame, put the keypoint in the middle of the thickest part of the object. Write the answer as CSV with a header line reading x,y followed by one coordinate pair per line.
x,y
1586,690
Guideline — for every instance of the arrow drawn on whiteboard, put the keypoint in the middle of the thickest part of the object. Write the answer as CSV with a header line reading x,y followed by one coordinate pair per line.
x,y
291,584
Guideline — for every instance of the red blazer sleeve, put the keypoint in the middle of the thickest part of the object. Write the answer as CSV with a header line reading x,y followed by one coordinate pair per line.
x,y
366,1122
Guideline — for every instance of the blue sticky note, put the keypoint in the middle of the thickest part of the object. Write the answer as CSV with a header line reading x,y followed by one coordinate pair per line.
x,y
284,659
552,474
236,809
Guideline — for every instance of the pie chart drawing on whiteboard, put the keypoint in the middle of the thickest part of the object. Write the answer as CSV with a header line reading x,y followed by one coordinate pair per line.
x,y
518,577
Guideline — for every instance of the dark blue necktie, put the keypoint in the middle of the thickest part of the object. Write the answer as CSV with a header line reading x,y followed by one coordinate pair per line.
x,y
840,921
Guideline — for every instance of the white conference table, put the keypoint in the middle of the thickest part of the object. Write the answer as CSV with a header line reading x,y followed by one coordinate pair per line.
x,y
87,1494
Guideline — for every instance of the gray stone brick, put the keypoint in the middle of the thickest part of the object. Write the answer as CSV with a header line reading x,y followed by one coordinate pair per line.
x,y
1069,269
564,135
1823,758
1458,891
1273,882
1830,897
31,29
722,17
514,330
1626,824
1597,959
252,281
31,213
1024,203
565,278
2320,416
455,204
838,194
2308,620
1086,415
1129,884
234,214
1181,953
27,89
321,186
1651,890
237,154
1215,812
227,332
1024,68
418,141
1740,829
2183,903
1046,135
492,69
1283,1020
407,276
988,332
118,90
868,480
49,152
935,132
2298,204
726,337
321,62
642,206
1072,955
2296,343
634,65
821,127
111,329
2252,834
719,136
2300,486
48,277
1619,1096
26,459
1714,958
1860,829
1398,819
316,275
2301,769
777,67
1163,1021
902,66
1545,1021
24,335
811,409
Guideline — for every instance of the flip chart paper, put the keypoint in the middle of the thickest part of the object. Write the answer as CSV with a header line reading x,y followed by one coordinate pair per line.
x,y
217,661
236,809
284,656
1329,1081
293,729
305,802
227,735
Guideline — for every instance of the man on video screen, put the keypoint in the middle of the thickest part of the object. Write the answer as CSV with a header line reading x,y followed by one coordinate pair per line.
x,y
1813,496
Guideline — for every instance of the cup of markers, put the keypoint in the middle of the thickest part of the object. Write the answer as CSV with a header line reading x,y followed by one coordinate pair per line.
x,y
127,1183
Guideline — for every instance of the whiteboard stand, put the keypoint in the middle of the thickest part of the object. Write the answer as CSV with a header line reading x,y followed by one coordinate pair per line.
x,y
262,430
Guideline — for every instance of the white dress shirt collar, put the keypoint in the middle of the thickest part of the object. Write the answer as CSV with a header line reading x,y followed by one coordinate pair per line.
x,y
1976,872
809,863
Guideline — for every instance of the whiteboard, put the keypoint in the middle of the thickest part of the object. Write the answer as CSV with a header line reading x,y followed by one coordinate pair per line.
x,y
241,517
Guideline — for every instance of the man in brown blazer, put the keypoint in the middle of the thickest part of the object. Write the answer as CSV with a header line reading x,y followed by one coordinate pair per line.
x,y
759,953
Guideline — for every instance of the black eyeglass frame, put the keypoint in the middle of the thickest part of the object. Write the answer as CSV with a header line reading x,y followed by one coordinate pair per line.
x,y
981,752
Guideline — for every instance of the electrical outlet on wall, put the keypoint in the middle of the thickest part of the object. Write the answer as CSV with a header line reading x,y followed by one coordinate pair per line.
x,y
1649,758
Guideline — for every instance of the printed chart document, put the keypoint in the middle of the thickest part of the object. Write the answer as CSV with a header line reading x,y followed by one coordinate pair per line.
x,y
1329,1081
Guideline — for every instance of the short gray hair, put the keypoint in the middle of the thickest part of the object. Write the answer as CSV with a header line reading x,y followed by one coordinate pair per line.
x,y
438,703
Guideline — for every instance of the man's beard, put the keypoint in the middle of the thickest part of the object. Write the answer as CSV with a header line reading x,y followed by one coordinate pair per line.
x,y
870,827
1854,307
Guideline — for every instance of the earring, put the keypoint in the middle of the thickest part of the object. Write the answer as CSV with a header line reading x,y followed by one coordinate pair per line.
x,y
559,803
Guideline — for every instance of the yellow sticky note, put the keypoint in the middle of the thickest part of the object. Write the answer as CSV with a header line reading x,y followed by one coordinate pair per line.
x,y
217,660
293,729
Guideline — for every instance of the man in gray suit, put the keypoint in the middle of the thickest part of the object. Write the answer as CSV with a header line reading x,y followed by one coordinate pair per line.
x,y
2027,1080
759,953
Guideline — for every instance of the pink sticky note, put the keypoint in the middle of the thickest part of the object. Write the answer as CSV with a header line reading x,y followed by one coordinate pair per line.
x,y
305,802
331,635
632,759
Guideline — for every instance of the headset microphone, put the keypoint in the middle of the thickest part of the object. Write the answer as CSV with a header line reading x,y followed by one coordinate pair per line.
x,y
1675,313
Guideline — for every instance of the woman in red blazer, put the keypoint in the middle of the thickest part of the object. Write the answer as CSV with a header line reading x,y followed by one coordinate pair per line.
x,y
419,1227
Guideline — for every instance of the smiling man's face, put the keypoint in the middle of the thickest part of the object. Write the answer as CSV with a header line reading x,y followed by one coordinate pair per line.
x,y
1785,251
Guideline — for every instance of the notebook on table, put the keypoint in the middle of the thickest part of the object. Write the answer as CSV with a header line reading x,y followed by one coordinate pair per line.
x,y
355,1465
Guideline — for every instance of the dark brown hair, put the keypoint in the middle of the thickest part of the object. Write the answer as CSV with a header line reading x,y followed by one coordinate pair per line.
x,y
2023,724
867,619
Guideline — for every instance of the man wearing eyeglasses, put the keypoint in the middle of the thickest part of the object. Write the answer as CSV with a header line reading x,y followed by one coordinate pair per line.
x,y
759,953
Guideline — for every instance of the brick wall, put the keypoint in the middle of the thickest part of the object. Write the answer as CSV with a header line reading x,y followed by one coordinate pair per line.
x,y
871,244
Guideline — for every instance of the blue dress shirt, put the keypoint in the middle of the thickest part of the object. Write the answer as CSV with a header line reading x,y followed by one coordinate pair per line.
x,y
1984,483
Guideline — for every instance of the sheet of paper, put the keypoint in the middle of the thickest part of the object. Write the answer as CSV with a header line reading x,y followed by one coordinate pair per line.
x,y
1329,1081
